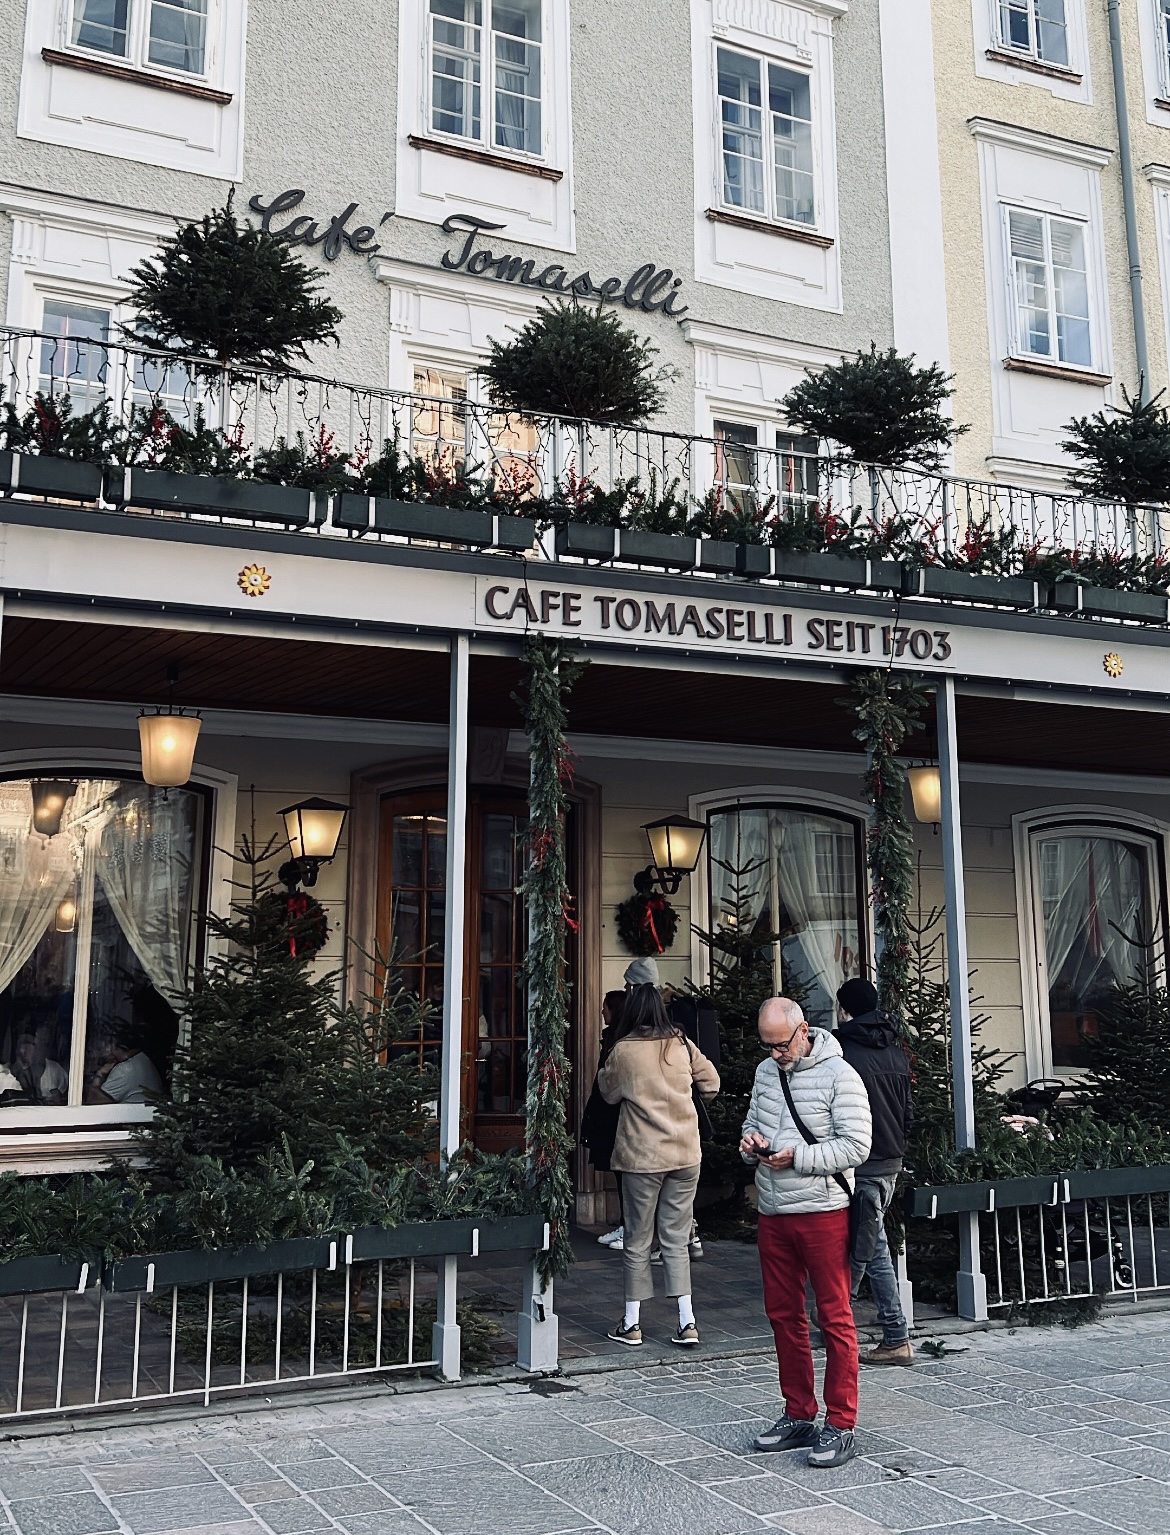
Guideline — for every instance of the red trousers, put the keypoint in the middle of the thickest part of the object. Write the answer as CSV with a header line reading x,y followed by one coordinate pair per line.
x,y
793,1248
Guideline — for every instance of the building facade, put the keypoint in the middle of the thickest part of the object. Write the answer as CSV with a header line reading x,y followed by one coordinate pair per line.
x,y
446,165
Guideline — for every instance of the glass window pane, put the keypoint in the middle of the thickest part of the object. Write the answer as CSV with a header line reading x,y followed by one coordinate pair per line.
x,y
499,844
735,462
101,25
73,359
456,43
1015,24
790,102
407,850
1094,896
178,35
436,853
516,47
495,928
741,121
1030,275
1071,291
1051,31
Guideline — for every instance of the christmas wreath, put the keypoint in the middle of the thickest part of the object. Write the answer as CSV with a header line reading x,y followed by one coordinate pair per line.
x,y
647,924
300,919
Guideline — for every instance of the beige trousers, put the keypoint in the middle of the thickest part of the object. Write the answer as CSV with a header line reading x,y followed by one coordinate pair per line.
x,y
664,1202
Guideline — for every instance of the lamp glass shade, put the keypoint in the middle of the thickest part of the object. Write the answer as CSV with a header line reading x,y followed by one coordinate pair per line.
x,y
49,798
65,917
314,828
926,792
168,747
675,843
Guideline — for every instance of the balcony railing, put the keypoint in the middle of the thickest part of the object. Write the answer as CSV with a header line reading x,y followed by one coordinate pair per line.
x,y
548,467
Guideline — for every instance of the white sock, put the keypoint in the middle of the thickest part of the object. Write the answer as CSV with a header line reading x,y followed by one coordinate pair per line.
x,y
686,1312
633,1311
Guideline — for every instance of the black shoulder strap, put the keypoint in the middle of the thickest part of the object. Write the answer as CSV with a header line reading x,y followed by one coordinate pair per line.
x,y
809,1138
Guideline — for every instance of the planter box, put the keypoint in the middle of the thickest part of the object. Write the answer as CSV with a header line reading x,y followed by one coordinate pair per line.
x,y
1048,1189
514,1233
38,1275
885,576
717,556
669,550
515,533
586,541
820,569
444,524
754,561
352,512
1117,1181
970,586
158,1271
40,474
1106,602
222,497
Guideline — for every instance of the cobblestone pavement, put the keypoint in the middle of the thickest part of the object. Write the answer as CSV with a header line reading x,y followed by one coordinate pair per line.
x,y
1054,1432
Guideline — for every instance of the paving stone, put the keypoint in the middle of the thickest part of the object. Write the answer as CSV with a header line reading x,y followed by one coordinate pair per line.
x,y
68,1513
385,1522
329,1472
767,1494
142,1475
1140,1460
691,1408
1135,1386
717,1468
178,1508
830,1520
522,1440
1083,1441
1139,1506
291,1516
905,1505
416,1448
265,1492
241,1473
495,1500
339,1502
42,1481
1072,1524
1022,1506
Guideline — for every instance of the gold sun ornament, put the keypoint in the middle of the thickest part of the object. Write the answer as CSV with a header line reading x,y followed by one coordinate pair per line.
x,y
1113,664
253,580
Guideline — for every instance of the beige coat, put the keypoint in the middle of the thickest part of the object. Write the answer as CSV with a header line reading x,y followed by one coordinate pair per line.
x,y
658,1129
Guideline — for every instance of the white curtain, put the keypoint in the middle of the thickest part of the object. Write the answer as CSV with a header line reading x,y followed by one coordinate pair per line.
x,y
1093,896
146,870
816,908
35,874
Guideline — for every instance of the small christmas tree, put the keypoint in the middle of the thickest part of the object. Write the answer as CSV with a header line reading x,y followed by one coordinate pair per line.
x,y
879,407
1125,454
224,290
570,360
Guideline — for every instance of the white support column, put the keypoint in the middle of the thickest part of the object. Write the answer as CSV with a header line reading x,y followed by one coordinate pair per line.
x,y
972,1285
445,1334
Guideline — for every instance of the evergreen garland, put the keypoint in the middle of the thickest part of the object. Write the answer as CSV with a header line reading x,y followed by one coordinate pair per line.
x,y
888,708
551,672
647,924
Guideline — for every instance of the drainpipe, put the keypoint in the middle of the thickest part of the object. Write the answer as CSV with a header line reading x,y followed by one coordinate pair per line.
x,y
1121,103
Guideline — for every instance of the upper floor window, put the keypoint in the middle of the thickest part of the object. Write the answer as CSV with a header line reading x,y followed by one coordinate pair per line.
x,y
1163,15
1037,28
154,34
766,138
485,72
1050,288
99,899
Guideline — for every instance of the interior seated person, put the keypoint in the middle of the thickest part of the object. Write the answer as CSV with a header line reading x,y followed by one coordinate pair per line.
x,y
43,1079
128,1075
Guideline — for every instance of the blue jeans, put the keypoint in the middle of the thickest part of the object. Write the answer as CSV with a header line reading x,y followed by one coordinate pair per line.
x,y
883,1278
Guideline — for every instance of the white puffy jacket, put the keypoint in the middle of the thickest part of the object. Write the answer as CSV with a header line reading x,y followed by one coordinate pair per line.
x,y
831,1099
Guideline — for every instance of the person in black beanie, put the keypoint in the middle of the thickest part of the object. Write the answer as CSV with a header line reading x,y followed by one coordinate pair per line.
x,y
870,1044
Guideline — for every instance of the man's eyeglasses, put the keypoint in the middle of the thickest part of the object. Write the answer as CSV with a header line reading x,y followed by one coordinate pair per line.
x,y
783,1045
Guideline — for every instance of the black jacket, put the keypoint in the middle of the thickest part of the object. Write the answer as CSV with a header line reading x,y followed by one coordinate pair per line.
x,y
871,1047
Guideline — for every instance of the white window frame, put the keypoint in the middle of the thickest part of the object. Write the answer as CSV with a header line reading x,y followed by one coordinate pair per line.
x,y
1161,14
138,42
999,32
768,213
486,141
1017,347
1068,820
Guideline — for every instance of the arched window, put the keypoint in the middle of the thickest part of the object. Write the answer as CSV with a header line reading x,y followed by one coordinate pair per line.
x,y
796,873
1097,912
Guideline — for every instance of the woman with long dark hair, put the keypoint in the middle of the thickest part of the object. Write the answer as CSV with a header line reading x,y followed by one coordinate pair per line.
x,y
651,1073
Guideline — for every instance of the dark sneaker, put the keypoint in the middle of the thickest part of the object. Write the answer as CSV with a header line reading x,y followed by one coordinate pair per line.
x,y
787,1434
686,1337
630,1336
890,1353
834,1447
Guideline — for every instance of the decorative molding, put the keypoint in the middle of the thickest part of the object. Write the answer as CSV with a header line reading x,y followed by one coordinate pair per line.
x,y
1055,370
1021,471
1034,66
135,76
767,227
1158,175
86,213
726,342
1011,136
484,157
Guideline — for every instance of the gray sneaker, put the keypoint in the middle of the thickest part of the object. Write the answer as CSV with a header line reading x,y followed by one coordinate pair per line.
x,y
833,1447
787,1434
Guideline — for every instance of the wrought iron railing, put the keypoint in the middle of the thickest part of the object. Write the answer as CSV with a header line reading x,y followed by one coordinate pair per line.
x,y
533,459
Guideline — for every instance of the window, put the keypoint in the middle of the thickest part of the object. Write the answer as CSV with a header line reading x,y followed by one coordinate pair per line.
x,y
735,463
793,875
156,34
1095,902
502,1013
798,472
767,154
1038,28
414,855
74,360
1163,43
98,928
439,420
1050,288
485,72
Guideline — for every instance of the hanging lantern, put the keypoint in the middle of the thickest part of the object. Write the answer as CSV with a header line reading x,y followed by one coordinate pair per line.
x,y
49,798
926,792
675,845
313,828
167,738
65,917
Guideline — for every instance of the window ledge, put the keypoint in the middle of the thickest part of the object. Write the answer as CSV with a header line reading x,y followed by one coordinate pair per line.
x,y
1034,66
1055,370
484,157
1162,103
135,76
767,227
